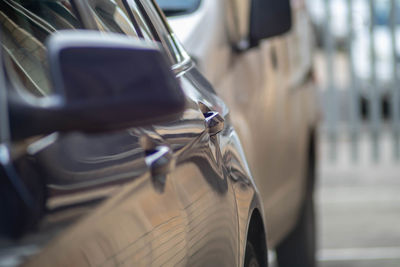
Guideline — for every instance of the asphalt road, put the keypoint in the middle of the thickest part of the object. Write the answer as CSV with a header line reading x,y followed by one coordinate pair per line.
x,y
358,202
358,205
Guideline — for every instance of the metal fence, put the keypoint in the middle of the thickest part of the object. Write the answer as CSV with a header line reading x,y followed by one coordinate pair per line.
x,y
367,103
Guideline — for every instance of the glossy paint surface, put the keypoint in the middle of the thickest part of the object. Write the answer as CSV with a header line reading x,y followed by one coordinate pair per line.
x,y
178,193
272,97
127,215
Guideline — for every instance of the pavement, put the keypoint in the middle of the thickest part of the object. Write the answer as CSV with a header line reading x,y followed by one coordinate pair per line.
x,y
358,201
358,205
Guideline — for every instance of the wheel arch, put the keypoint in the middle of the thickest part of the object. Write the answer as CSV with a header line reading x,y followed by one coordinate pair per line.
x,y
256,234
312,156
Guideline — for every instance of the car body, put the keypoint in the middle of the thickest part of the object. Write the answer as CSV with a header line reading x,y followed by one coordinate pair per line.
x,y
201,28
169,190
276,115
107,202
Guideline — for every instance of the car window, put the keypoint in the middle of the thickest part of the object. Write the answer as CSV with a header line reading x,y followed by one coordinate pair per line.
x,y
172,45
178,7
138,17
25,25
150,21
110,17
121,16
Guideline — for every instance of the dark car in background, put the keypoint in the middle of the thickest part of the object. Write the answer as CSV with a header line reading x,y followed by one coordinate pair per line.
x,y
116,151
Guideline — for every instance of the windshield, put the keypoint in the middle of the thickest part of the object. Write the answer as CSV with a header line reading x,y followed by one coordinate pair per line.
x,y
178,7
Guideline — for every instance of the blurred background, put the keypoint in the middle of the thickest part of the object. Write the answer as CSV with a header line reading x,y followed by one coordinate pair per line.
x,y
358,196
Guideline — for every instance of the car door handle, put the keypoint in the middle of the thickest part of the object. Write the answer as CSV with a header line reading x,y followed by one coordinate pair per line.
x,y
214,122
160,160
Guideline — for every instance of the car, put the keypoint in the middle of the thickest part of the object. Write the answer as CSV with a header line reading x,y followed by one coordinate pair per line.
x,y
116,150
270,89
200,26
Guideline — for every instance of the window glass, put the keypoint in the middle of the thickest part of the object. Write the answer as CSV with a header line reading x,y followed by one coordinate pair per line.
x,y
138,17
110,17
175,48
150,27
178,7
25,25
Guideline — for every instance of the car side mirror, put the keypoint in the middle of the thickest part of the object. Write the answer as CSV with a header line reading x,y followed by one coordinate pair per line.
x,y
102,82
269,18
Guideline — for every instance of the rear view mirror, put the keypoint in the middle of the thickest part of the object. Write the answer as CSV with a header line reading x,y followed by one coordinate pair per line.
x,y
103,82
269,18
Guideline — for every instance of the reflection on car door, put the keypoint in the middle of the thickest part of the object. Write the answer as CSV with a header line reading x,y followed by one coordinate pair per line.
x,y
200,177
147,196
204,188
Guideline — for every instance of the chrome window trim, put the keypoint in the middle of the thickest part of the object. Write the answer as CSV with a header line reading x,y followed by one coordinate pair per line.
x,y
159,27
4,123
182,67
168,41
180,60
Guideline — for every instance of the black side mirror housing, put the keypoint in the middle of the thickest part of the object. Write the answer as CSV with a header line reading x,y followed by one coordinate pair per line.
x,y
102,83
269,18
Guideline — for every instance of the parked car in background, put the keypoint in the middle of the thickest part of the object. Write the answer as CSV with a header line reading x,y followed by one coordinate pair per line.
x,y
200,27
269,87
115,150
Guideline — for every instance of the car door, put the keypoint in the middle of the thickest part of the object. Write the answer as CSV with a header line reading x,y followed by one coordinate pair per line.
x,y
202,179
262,86
298,109
146,196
